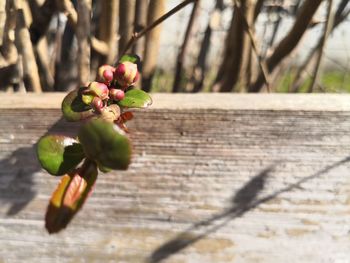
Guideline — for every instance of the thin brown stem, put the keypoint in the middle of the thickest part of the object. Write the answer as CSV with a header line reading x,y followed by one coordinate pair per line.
x,y
302,70
138,35
290,41
262,64
181,55
327,29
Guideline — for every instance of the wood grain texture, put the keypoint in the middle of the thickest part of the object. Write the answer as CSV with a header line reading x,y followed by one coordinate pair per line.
x,y
214,183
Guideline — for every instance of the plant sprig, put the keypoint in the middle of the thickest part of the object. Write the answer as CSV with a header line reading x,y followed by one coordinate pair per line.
x,y
101,144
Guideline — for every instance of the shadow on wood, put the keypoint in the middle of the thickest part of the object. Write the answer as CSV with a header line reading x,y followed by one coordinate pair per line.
x,y
243,201
18,169
18,180
213,179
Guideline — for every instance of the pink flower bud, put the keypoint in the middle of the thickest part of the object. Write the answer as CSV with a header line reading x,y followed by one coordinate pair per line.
x,y
108,75
126,74
105,74
116,94
99,89
120,70
97,104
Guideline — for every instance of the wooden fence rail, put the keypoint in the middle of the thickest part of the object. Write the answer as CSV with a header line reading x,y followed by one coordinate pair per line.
x,y
214,178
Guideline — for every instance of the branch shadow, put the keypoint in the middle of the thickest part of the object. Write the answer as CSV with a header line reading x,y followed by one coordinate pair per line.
x,y
240,204
243,201
17,171
16,179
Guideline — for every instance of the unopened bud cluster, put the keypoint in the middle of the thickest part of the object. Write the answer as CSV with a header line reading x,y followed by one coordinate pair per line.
x,y
110,85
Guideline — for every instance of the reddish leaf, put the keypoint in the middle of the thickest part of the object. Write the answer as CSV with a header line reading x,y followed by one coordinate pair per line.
x,y
126,116
70,196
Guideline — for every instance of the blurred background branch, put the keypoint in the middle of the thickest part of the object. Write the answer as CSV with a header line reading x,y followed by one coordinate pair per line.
x,y
218,45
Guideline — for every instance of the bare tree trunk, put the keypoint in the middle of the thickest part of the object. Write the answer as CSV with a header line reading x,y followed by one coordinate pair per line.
x,y
224,63
290,41
257,9
83,34
3,18
8,48
41,18
327,29
140,23
198,74
9,75
299,76
126,21
181,56
108,28
152,42
228,73
245,73
42,58
65,66
254,46
68,8
25,48
200,68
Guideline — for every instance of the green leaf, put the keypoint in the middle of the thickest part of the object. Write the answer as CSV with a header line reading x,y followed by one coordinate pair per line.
x,y
73,108
69,196
106,144
136,98
133,59
59,154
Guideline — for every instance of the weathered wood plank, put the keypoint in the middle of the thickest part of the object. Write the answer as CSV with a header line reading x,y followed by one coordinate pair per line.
x,y
225,101
246,179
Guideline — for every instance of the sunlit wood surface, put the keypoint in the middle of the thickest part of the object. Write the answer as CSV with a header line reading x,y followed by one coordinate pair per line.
x,y
214,178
